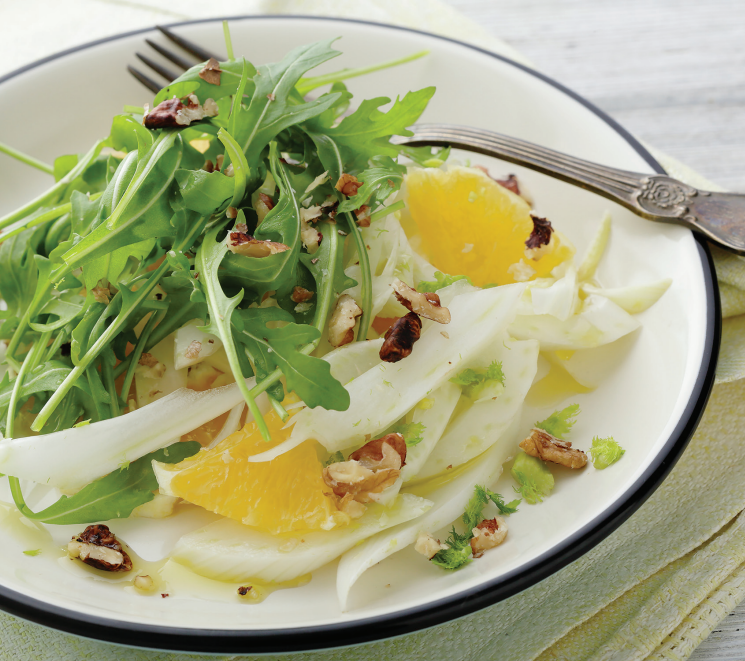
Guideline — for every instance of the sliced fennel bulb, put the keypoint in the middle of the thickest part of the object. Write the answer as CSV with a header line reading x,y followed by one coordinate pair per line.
x,y
72,458
229,551
449,501
634,298
599,321
483,424
383,394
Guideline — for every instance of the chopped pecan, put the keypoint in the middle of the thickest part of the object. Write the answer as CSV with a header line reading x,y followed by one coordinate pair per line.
x,y
309,235
218,161
388,451
232,213
98,547
150,367
341,326
175,113
543,445
243,590
428,546
541,234
426,305
352,508
244,244
351,477
488,534
348,184
211,71
311,214
510,183
363,216
193,350
101,294
268,201
208,166
400,338
301,294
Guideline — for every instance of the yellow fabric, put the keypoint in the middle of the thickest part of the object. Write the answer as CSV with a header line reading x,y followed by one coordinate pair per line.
x,y
652,590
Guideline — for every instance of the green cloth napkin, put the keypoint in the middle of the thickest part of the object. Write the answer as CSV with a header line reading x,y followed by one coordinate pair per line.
x,y
652,590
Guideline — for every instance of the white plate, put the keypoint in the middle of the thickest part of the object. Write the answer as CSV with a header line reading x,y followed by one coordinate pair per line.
x,y
650,401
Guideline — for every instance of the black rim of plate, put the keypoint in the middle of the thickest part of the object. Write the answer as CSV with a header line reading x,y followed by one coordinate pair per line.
x,y
275,641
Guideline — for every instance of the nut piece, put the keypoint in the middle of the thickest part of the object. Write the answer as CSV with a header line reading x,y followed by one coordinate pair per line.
x,y
350,507
98,547
341,326
363,216
388,451
549,448
300,294
244,244
541,234
244,590
211,71
367,472
488,534
400,338
101,294
150,367
193,350
428,546
175,113
144,582
426,305
348,184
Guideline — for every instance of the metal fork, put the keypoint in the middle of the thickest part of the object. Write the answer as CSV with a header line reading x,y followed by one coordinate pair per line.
x,y
720,217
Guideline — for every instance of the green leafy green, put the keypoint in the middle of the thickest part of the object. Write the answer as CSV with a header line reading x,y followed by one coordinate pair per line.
x,y
605,451
481,383
413,432
504,508
560,423
366,132
533,477
379,183
334,459
441,280
115,495
426,156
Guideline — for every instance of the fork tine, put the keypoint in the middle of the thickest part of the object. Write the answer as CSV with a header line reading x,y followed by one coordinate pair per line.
x,y
147,82
176,59
158,68
188,46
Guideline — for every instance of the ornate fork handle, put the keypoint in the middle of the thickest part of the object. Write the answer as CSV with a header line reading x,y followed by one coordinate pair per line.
x,y
719,216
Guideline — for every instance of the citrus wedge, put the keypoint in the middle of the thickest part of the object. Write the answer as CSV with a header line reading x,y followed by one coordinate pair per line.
x,y
283,495
471,225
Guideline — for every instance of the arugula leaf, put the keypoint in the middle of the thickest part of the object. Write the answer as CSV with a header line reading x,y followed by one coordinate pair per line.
x,y
203,191
275,105
379,183
367,131
308,376
481,384
441,280
47,377
209,257
413,432
126,132
605,451
189,82
143,212
19,271
424,155
560,423
533,477
115,495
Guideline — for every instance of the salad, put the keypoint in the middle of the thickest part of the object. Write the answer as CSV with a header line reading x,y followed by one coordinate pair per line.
x,y
249,299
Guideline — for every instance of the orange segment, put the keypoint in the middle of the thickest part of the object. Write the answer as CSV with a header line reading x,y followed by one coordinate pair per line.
x,y
283,495
470,225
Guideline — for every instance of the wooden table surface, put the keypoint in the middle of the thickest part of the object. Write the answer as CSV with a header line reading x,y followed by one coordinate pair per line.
x,y
671,71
